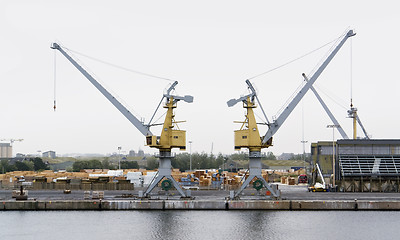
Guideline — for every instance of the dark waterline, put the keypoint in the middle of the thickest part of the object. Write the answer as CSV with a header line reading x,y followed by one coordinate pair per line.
x,y
199,225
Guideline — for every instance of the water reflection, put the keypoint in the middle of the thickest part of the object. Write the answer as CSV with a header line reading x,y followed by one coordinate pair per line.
x,y
165,225
198,225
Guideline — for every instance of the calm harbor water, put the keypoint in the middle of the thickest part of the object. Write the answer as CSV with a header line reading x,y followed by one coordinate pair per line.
x,y
199,225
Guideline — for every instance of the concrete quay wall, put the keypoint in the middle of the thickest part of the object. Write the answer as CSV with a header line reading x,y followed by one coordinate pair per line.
x,y
289,205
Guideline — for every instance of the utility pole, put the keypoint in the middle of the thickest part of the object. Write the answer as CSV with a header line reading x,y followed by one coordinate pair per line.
x,y
119,157
190,156
302,140
304,155
333,153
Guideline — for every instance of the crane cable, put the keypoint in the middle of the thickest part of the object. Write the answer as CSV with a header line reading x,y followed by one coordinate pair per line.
x,y
151,119
334,97
129,70
120,67
55,79
351,72
293,60
104,62
285,64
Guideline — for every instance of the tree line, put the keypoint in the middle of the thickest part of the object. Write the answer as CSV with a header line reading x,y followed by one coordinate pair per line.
x,y
104,164
28,164
208,161
181,161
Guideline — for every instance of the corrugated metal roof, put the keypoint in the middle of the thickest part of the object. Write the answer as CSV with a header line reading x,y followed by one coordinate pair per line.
x,y
368,141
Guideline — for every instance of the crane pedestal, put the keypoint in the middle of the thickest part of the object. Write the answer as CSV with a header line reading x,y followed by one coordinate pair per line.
x,y
255,172
164,171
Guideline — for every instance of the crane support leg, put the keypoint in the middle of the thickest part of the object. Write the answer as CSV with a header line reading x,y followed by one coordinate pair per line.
x,y
255,172
164,171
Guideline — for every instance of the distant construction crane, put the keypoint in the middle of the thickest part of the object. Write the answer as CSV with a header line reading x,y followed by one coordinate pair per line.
x,y
12,140
9,154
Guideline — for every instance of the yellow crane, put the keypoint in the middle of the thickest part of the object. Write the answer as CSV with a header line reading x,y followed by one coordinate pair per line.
x,y
171,136
248,135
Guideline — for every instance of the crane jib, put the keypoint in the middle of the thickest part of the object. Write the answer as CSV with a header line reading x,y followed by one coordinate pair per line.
x,y
285,114
144,129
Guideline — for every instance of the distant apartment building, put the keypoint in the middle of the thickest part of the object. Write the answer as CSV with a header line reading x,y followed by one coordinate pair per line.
x,y
140,153
132,153
5,150
49,154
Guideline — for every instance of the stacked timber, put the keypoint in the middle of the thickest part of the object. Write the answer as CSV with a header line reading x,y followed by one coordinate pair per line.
x,y
283,180
291,181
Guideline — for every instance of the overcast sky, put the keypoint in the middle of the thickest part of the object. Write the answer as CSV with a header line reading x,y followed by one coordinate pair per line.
x,y
210,48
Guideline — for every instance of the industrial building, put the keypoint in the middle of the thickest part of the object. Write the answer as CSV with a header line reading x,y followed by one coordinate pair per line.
x,y
360,164
5,150
322,153
49,154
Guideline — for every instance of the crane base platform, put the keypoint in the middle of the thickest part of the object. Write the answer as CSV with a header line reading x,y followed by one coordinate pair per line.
x,y
255,172
164,172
